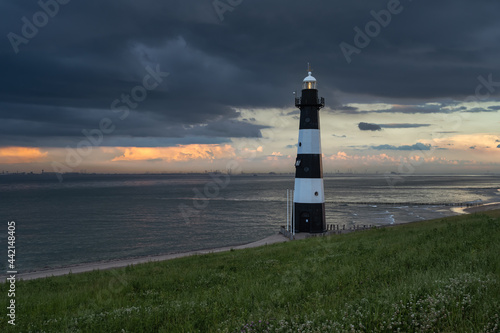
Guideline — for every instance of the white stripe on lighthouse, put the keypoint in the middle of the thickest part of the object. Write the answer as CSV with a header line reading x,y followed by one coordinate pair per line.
x,y
306,189
309,141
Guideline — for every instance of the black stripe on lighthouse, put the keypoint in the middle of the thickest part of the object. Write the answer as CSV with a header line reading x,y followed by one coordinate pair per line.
x,y
308,166
309,198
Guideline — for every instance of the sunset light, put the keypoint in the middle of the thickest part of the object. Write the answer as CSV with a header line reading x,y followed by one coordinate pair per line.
x,y
13,155
174,154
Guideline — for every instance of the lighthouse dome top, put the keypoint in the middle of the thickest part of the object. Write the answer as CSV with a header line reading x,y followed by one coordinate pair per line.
x,y
309,82
309,78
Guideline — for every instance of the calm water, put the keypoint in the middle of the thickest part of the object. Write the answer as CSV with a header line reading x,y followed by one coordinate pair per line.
x,y
94,218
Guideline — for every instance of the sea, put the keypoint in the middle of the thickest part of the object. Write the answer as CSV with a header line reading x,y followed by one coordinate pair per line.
x,y
94,218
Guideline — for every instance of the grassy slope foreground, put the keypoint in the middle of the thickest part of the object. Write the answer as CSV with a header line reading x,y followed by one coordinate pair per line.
x,y
441,275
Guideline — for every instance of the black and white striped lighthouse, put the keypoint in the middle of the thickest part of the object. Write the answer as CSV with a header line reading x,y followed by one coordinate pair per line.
x,y
309,196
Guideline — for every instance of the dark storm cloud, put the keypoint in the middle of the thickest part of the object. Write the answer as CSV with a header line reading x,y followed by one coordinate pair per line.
x,y
405,109
417,146
403,125
369,127
477,110
422,109
416,109
90,53
345,109
378,127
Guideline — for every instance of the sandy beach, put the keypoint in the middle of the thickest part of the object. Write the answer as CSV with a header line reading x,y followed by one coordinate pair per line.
x,y
476,209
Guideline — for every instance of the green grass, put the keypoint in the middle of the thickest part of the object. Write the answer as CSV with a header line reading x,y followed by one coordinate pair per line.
x,y
433,276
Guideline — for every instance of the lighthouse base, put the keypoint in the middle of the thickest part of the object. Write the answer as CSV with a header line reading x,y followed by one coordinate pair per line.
x,y
310,217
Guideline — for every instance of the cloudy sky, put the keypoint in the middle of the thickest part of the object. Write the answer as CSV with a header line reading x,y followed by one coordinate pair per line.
x,y
167,86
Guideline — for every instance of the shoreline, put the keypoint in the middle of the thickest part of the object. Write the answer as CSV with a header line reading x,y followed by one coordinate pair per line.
x,y
276,238
120,263
477,209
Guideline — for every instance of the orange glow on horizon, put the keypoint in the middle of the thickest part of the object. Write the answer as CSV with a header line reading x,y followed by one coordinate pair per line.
x,y
182,153
14,155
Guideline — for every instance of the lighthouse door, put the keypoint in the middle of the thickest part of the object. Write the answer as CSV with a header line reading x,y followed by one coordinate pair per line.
x,y
305,222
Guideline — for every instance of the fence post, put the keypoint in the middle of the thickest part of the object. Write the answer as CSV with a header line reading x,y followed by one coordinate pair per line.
x,y
287,210
292,209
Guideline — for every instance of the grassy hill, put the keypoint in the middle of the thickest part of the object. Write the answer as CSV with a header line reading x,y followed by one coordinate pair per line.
x,y
434,276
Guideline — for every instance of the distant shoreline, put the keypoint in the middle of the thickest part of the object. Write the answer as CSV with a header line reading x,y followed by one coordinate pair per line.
x,y
76,176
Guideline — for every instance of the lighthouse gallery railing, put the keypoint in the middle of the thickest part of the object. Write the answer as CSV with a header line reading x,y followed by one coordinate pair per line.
x,y
319,102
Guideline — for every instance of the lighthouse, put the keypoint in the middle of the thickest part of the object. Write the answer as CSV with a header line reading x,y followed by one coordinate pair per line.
x,y
309,196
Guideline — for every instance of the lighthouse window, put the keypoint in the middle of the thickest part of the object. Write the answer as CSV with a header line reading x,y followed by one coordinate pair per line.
x,y
308,120
309,85
306,169
300,144
316,193
297,163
